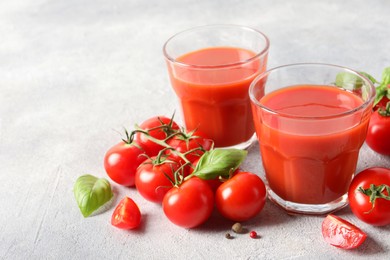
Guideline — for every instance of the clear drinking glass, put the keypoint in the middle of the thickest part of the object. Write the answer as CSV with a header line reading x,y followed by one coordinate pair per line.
x,y
310,131
211,68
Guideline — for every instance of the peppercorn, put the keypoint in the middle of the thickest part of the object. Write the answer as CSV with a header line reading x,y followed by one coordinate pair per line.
x,y
237,228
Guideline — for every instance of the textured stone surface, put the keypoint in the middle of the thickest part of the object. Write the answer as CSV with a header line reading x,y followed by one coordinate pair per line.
x,y
73,73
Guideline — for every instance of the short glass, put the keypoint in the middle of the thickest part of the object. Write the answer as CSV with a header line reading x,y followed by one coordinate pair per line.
x,y
310,131
211,68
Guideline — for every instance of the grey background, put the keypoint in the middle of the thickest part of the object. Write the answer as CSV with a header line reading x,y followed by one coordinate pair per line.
x,y
74,73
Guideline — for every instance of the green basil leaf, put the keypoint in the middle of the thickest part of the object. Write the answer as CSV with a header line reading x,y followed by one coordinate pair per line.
x,y
381,91
386,76
91,193
219,162
371,78
348,81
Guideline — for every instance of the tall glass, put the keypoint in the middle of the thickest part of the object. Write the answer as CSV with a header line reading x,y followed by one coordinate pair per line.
x,y
310,131
211,68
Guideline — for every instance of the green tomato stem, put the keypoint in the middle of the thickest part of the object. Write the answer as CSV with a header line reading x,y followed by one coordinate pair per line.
x,y
375,192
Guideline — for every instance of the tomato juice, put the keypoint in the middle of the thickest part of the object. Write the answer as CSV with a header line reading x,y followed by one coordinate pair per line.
x,y
212,87
310,136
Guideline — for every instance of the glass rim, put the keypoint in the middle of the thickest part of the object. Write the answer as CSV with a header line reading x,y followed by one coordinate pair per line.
x,y
257,55
345,69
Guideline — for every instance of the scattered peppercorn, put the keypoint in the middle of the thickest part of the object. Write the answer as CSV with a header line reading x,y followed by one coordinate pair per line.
x,y
228,236
237,228
253,234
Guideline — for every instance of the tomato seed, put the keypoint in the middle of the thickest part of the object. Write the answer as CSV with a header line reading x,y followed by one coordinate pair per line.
x,y
253,234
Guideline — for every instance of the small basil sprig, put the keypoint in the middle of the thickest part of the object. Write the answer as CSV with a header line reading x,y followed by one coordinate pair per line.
x,y
351,81
219,162
383,89
91,193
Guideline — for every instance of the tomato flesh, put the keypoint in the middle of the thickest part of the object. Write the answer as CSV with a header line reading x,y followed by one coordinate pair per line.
x,y
126,215
340,233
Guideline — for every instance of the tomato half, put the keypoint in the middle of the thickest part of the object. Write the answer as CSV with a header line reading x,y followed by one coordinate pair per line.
x,y
121,162
126,215
242,197
159,127
195,142
340,233
153,180
378,212
378,132
190,204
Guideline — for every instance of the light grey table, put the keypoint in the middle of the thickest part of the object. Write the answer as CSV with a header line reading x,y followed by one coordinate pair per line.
x,y
74,72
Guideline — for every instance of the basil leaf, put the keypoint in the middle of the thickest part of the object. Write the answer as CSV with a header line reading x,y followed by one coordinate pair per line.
x,y
371,78
381,91
348,81
386,76
219,162
91,193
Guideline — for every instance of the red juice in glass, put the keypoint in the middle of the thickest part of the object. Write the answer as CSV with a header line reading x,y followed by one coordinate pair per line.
x,y
212,82
310,136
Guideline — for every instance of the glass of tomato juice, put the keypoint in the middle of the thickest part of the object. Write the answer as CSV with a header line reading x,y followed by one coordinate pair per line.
x,y
310,128
211,68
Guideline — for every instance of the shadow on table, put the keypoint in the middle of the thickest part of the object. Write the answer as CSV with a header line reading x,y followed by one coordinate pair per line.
x,y
271,215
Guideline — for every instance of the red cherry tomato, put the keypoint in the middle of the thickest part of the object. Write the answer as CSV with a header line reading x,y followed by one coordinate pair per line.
x,y
242,197
378,212
190,204
186,143
378,132
340,233
121,162
161,127
153,180
126,215
382,103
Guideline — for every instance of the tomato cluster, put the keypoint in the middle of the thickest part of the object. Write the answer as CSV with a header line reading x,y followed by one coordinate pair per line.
x,y
165,163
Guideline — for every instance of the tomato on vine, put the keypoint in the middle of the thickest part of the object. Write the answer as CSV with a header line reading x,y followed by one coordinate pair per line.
x,y
192,144
369,196
190,204
160,128
154,177
121,162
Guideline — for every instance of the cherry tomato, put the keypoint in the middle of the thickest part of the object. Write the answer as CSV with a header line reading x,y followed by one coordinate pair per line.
x,y
378,212
242,197
340,233
121,162
190,204
378,131
126,215
151,179
187,142
382,103
161,127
